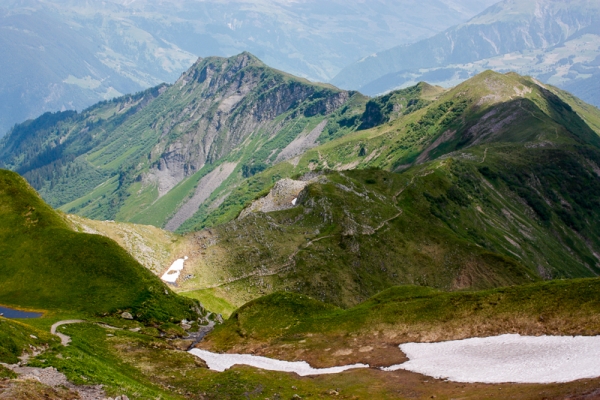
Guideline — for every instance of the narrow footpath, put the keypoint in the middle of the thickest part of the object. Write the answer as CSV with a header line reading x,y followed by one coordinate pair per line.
x,y
64,339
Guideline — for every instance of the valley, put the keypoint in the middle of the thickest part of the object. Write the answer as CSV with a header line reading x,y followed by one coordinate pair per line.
x,y
303,223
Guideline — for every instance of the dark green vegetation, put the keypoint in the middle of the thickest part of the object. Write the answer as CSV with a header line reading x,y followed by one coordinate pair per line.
x,y
500,186
453,224
47,266
351,237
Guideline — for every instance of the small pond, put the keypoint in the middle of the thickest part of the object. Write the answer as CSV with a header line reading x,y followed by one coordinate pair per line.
x,y
11,313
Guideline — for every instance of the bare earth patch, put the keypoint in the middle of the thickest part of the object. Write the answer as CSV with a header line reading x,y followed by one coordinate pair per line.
x,y
205,188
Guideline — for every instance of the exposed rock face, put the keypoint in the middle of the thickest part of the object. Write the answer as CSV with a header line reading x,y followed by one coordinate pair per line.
x,y
302,143
232,112
205,187
283,196
170,170
233,98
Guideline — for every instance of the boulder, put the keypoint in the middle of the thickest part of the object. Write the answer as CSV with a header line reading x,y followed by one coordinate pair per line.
x,y
127,315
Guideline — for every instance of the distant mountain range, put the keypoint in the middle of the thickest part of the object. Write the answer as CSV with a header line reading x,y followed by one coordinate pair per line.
x,y
67,54
556,41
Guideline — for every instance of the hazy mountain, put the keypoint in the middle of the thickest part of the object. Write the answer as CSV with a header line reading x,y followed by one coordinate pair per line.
x,y
67,54
556,41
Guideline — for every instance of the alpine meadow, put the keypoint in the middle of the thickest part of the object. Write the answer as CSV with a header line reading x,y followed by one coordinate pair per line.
x,y
424,225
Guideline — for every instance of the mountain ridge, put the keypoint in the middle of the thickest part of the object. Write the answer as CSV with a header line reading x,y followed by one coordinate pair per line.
x,y
161,143
482,189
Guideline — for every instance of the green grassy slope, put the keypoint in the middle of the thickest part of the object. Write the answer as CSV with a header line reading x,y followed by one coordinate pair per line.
x,y
17,338
453,224
114,160
285,323
45,265
499,186
489,108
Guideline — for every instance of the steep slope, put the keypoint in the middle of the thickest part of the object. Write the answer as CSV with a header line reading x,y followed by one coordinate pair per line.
x,y
47,266
490,107
500,185
558,42
155,157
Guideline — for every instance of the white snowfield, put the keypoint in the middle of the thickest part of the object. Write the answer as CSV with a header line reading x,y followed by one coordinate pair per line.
x,y
499,359
506,359
222,362
174,271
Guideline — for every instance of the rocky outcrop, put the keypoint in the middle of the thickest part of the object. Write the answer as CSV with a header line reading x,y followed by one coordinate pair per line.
x,y
229,100
301,143
222,111
283,196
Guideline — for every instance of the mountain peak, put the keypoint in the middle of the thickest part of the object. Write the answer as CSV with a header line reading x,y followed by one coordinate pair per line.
x,y
204,68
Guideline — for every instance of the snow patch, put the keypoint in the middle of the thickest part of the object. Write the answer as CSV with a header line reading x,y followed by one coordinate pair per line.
x,y
506,359
174,271
222,362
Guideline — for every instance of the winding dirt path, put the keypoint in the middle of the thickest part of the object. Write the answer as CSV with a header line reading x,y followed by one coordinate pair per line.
x,y
291,258
484,155
64,339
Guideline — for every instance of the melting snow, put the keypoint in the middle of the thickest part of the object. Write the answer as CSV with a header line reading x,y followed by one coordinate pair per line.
x,y
221,362
174,271
499,359
506,358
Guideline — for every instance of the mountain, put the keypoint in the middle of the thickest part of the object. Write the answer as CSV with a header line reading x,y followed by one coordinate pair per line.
x,y
156,156
558,42
475,187
499,184
492,183
68,54
46,265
